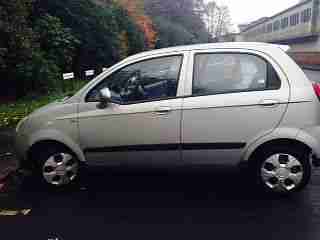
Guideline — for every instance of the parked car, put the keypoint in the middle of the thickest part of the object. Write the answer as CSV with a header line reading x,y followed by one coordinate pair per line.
x,y
207,104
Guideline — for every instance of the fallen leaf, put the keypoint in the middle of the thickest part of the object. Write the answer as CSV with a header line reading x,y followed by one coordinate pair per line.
x,y
8,212
25,211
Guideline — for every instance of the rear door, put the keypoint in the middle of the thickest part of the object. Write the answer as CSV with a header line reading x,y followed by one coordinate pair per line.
x,y
236,96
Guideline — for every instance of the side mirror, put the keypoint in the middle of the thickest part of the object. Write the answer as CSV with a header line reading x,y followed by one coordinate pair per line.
x,y
104,97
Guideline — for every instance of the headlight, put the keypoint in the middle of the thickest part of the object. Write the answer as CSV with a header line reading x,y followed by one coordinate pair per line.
x,y
21,123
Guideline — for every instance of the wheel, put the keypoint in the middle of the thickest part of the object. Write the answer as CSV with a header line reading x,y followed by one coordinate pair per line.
x,y
56,166
282,169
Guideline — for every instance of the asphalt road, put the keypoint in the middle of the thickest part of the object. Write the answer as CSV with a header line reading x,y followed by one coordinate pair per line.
x,y
217,203
193,203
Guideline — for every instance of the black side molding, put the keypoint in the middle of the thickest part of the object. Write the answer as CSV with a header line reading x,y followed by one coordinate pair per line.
x,y
208,146
168,147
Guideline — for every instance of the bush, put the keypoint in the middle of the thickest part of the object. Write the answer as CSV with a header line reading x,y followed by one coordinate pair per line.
x,y
11,114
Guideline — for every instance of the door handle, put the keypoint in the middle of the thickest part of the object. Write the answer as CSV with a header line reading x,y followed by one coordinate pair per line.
x,y
162,110
269,103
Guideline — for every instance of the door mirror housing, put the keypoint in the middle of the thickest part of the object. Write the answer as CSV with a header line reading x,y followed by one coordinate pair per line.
x,y
104,97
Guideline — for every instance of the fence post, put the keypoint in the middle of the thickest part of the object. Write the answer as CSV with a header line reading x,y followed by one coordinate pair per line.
x,y
66,76
89,73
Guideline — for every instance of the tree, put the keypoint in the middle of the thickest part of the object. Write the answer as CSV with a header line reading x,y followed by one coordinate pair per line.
x,y
40,39
131,39
224,21
217,19
135,9
58,42
17,44
172,34
211,11
98,28
184,13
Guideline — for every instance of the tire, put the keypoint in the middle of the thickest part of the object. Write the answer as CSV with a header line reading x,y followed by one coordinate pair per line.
x,y
282,169
56,166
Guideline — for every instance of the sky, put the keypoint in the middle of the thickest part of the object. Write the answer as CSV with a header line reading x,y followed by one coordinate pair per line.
x,y
243,11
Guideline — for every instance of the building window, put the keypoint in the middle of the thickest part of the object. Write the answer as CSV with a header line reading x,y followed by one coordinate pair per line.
x,y
306,15
269,28
294,19
284,22
276,25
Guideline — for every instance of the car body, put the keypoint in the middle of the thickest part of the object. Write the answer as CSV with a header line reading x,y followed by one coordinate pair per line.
x,y
206,104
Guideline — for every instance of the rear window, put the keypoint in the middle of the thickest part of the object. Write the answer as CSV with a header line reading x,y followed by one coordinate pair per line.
x,y
216,73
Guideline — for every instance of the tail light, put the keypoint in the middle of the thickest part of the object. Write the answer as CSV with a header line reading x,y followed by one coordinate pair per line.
x,y
316,88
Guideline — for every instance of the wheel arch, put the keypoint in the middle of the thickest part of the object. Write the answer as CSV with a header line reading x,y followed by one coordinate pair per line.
x,y
54,137
279,141
284,135
42,143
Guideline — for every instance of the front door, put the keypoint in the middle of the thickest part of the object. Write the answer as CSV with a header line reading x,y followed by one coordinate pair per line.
x,y
142,124
236,97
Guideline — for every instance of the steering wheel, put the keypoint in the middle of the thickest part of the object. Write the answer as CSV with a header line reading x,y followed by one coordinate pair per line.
x,y
133,89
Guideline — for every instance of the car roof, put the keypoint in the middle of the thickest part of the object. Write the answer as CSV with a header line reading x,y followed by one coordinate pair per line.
x,y
258,46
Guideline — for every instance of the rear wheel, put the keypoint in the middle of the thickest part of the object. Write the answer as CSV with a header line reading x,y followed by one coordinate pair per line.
x,y
282,169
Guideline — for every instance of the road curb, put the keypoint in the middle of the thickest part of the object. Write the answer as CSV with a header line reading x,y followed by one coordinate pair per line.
x,y
4,175
3,180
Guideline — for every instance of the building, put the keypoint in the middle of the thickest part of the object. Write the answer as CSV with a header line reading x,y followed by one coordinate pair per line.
x,y
297,26
242,27
230,37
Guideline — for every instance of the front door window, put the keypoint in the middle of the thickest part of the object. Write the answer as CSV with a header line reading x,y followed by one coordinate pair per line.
x,y
148,80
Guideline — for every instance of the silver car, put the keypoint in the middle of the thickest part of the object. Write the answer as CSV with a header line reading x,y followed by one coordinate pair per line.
x,y
229,103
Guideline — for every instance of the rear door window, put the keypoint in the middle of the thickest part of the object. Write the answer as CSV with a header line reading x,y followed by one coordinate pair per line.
x,y
232,72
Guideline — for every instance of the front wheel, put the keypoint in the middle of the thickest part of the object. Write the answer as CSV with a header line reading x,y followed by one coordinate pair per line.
x,y
282,169
57,166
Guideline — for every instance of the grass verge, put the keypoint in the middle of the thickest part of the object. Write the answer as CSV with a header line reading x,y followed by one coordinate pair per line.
x,y
12,113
